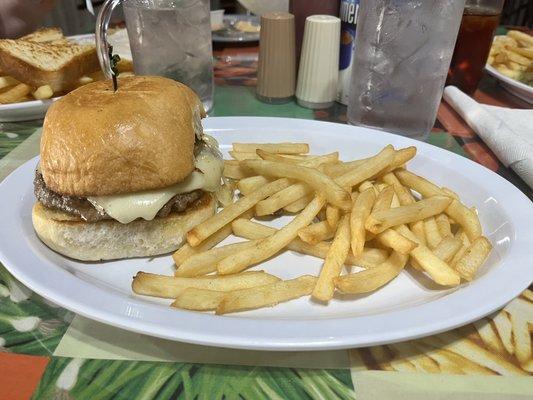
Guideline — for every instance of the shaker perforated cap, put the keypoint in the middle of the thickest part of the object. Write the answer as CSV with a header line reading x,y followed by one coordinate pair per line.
x,y
319,62
276,72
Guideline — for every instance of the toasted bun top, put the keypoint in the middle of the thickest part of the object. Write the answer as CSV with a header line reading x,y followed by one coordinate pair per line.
x,y
99,142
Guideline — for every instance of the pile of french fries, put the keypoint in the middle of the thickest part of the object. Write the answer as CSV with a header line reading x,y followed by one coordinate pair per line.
x,y
512,55
371,213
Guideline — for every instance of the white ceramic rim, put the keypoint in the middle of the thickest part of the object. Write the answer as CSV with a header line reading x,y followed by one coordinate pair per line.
x,y
458,308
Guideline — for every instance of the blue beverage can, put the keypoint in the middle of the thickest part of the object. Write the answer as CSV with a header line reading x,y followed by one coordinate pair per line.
x,y
348,15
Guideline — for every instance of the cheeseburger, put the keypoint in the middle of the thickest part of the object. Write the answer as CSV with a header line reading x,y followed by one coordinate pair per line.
x,y
125,173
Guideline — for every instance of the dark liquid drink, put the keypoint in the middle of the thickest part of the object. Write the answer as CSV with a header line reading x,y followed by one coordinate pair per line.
x,y
472,48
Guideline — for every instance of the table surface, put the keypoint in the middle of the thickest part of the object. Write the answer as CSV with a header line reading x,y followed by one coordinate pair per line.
x,y
70,357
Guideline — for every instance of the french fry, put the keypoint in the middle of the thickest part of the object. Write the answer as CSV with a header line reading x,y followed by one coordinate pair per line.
x,y
170,286
406,197
401,157
334,261
84,80
468,220
437,269
371,167
473,258
521,37
360,212
267,295
233,169
241,156
372,279
431,230
43,92
251,184
392,239
316,232
228,214
379,221
198,299
282,199
253,230
390,179
521,335
272,244
319,181
186,251
15,94
443,224
6,81
368,185
206,262
447,248
299,204
333,215
525,52
384,199
311,162
280,148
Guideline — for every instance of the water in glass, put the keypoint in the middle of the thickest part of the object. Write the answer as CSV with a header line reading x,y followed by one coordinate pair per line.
x,y
403,50
172,38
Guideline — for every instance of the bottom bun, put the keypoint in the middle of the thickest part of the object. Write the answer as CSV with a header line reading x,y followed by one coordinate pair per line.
x,y
109,239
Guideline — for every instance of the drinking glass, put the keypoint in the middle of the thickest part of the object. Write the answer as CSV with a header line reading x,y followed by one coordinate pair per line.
x,y
480,20
170,38
402,53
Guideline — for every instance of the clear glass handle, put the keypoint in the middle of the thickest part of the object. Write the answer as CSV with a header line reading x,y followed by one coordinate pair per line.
x,y
102,23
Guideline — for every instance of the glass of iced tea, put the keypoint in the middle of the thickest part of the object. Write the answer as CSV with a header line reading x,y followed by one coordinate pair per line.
x,y
480,20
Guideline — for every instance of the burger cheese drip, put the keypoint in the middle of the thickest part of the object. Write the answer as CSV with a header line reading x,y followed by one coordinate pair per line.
x,y
126,208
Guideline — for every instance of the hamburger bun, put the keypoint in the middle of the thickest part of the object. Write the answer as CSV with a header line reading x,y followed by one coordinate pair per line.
x,y
109,239
98,142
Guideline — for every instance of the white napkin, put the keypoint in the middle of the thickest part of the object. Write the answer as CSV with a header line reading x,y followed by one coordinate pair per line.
x,y
508,132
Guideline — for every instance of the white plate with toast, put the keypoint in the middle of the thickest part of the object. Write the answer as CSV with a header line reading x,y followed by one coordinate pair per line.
x,y
408,307
36,109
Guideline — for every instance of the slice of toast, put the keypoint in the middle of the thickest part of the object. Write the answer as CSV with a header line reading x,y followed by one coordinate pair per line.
x,y
37,64
44,35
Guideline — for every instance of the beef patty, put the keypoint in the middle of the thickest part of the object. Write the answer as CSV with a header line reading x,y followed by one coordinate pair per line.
x,y
81,207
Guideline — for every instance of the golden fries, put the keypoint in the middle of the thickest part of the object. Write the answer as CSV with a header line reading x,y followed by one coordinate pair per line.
x,y
43,92
252,230
272,244
251,184
397,242
282,148
360,212
386,215
198,299
267,295
372,279
6,81
206,262
228,214
312,177
512,55
317,232
186,251
379,221
473,258
282,199
15,94
170,286
335,259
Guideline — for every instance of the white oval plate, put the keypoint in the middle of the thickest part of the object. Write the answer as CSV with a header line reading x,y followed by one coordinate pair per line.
x,y
519,89
406,308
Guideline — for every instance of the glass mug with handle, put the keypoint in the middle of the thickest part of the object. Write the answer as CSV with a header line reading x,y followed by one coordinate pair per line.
x,y
170,38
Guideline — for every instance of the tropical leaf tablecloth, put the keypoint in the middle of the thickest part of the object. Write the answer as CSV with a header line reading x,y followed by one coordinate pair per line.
x,y
47,352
